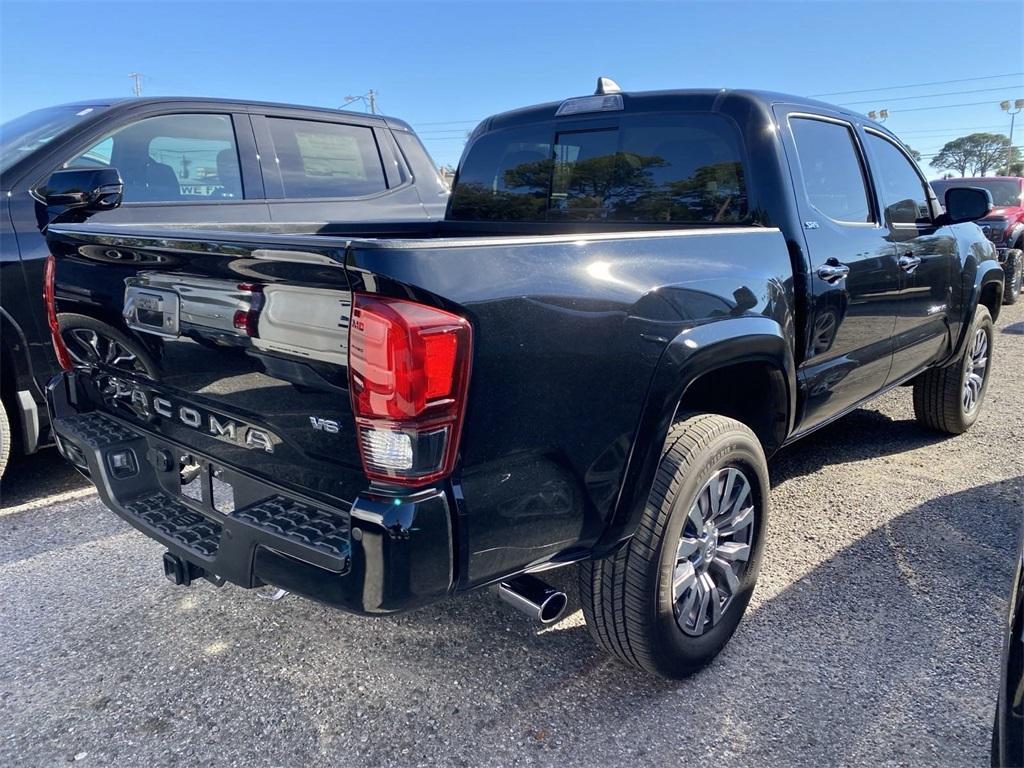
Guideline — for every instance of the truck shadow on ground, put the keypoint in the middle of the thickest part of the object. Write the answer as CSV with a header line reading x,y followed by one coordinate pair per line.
x,y
863,434
34,477
885,642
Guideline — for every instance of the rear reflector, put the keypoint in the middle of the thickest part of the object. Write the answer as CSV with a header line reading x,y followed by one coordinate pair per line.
x,y
49,281
409,369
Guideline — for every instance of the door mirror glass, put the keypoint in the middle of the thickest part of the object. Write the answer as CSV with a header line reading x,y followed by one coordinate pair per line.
x,y
967,204
88,190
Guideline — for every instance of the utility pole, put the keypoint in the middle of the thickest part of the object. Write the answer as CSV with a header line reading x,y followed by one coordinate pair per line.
x,y
137,87
1018,105
369,99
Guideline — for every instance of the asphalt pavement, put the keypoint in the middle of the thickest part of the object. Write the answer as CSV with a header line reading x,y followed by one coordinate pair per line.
x,y
873,637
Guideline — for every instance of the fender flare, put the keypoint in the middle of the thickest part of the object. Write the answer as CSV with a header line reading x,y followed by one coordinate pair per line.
x,y
1015,236
690,355
989,272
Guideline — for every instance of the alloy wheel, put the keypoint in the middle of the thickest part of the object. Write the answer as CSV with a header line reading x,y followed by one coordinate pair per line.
x,y
713,551
977,368
87,347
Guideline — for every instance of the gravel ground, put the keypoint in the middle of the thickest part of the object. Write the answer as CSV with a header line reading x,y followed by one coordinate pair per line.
x,y
873,637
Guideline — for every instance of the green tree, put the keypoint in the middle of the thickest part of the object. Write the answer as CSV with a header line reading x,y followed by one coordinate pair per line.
x,y
955,155
990,151
913,153
979,152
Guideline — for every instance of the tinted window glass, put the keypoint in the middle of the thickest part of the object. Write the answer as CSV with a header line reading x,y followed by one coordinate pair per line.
x,y
665,168
1005,192
831,169
901,187
326,159
23,135
171,158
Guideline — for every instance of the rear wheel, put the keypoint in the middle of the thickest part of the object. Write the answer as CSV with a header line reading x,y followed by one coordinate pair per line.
x,y
669,600
90,342
949,399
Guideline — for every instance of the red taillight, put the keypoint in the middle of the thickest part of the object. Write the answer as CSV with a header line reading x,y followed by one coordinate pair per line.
x,y
248,320
408,375
49,278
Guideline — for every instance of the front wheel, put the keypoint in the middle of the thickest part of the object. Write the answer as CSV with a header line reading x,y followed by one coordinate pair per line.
x,y
669,600
949,399
1014,268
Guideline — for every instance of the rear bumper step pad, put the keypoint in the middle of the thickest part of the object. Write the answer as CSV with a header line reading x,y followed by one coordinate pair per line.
x,y
381,554
150,500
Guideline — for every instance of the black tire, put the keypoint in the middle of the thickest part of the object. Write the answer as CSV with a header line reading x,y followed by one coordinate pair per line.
x,y
5,438
939,392
628,599
1014,277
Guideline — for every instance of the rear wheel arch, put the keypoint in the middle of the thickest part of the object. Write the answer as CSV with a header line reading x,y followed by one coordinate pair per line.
x,y
741,368
753,392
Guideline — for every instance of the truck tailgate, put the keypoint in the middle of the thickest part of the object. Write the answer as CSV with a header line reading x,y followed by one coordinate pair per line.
x,y
208,344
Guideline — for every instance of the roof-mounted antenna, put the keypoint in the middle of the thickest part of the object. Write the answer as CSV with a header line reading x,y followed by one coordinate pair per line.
x,y
606,85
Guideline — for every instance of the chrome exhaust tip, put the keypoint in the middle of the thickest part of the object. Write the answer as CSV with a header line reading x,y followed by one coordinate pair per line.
x,y
533,597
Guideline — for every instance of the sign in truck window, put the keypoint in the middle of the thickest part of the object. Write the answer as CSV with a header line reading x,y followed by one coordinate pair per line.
x,y
326,159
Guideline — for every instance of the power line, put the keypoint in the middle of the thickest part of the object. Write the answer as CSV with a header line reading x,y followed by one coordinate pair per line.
x,y
929,95
450,122
916,85
950,130
941,106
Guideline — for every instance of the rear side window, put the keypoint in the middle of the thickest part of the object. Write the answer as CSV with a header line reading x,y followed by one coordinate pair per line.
x,y
831,169
642,168
326,159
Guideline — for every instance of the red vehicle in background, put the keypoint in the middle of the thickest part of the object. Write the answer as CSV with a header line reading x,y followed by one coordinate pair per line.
x,y
1004,226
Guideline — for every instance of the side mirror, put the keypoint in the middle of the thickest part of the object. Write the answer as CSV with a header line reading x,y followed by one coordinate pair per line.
x,y
966,204
84,190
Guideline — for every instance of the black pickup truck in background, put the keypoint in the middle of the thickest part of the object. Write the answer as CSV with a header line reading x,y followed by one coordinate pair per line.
x,y
633,299
186,161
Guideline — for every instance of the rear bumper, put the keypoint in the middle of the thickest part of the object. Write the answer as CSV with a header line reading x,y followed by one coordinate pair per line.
x,y
381,554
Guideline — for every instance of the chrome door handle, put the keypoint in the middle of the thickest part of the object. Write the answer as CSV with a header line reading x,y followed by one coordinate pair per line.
x,y
909,263
833,272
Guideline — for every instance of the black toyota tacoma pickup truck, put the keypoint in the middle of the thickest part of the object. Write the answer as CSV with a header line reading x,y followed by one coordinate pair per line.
x,y
633,300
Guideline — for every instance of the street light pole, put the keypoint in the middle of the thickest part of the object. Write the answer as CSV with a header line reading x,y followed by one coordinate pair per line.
x,y
881,115
1018,105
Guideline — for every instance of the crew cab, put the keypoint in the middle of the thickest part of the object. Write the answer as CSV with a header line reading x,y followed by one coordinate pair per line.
x,y
1004,226
185,161
632,301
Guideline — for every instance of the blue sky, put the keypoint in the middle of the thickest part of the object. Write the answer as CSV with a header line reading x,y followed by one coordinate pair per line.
x,y
444,65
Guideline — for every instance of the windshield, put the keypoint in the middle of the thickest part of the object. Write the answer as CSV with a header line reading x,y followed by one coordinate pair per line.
x,y
23,135
1005,192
